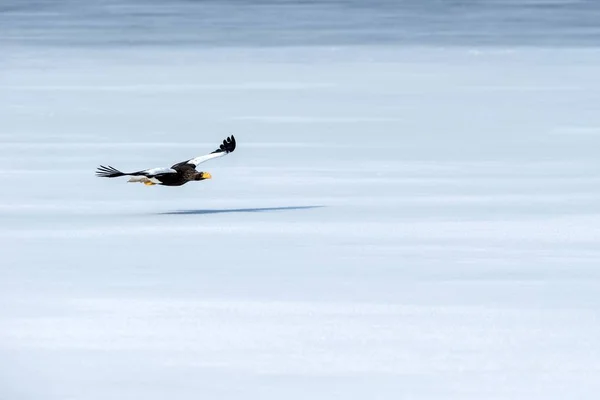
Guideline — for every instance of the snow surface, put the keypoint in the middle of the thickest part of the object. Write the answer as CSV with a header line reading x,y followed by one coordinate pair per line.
x,y
395,223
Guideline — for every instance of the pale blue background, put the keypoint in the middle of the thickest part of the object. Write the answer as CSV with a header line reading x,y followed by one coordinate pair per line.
x,y
412,211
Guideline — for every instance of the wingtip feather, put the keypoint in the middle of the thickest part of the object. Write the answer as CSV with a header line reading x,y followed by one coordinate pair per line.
x,y
108,172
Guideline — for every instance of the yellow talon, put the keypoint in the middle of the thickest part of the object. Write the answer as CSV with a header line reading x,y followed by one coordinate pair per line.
x,y
148,183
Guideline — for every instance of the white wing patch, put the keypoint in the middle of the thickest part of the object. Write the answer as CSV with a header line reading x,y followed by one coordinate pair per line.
x,y
199,160
157,171
227,147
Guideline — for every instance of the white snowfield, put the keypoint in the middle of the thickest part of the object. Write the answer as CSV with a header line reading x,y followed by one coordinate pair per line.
x,y
394,224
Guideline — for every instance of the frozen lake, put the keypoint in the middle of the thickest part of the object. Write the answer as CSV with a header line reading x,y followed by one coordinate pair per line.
x,y
397,222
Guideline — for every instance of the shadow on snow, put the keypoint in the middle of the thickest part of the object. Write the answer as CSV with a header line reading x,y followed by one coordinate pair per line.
x,y
238,210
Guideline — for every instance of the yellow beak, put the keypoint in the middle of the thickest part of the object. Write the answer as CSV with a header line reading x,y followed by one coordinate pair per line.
x,y
206,175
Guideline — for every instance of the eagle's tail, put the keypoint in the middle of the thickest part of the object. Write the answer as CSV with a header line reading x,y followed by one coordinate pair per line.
x,y
109,172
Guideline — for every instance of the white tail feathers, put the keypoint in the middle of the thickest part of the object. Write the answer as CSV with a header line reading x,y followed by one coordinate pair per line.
x,y
140,179
144,179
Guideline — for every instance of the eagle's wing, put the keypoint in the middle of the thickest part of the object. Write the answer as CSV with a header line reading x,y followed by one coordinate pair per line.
x,y
111,172
158,171
227,147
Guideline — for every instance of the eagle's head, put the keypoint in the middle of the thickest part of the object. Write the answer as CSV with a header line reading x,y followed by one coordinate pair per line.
x,y
200,176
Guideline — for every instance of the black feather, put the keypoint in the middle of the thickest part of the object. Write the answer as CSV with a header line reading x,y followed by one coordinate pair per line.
x,y
228,145
108,172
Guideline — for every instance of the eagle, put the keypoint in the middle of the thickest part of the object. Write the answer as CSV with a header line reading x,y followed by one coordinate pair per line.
x,y
177,175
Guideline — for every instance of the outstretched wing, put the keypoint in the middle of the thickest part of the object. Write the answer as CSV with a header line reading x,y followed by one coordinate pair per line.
x,y
157,171
228,146
111,172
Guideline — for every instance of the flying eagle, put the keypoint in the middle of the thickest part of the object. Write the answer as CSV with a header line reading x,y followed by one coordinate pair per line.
x,y
177,175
